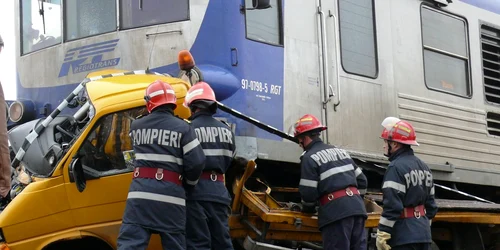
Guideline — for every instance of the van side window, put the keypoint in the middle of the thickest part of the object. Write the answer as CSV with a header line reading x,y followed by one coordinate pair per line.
x,y
490,46
446,52
108,145
358,48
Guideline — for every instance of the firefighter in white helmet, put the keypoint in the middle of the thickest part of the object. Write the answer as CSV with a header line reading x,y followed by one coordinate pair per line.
x,y
408,189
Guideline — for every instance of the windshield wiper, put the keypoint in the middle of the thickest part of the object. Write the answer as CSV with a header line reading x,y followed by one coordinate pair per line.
x,y
42,12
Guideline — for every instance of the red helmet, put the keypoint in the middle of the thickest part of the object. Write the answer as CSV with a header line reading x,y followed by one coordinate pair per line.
x,y
159,93
399,131
307,123
199,91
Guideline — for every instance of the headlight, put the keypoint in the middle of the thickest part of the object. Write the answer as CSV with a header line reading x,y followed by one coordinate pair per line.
x,y
21,111
16,111
91,112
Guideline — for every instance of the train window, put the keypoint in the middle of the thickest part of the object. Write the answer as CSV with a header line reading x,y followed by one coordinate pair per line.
x,y
85,18
134,14
40,30
357,37
264,25
490,45
446,54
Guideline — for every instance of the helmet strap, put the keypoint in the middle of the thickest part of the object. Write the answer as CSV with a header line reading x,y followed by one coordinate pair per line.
x,y
301,142
311,135
389,149
389,140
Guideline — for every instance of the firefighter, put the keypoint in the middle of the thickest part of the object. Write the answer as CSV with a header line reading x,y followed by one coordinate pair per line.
x,y
208,203
408,192
168,156
330,176
5,168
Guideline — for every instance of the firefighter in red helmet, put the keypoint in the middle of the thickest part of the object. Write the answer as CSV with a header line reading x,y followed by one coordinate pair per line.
x,y
408,192
208,203
168,156
330,176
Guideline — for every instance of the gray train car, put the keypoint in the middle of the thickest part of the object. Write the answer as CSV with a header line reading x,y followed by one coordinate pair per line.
x,y
433,63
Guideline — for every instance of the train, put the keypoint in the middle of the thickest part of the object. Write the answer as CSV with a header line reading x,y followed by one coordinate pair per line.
x,y
352,63
434,63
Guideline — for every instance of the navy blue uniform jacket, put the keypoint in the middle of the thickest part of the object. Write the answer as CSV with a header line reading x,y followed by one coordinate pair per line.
x,y
161,140
217,141
407,183
325,169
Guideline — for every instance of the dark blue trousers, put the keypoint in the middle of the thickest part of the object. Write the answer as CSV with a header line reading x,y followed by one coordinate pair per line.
x,y
207,226
416,246
135,237
345,234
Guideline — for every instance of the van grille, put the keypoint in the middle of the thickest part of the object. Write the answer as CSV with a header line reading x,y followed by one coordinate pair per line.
x,y
493,123
490,45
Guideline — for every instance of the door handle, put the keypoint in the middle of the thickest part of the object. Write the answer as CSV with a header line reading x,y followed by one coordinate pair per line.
x,y
331,94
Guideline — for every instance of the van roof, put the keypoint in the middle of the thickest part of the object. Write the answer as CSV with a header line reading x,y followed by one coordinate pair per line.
x,y
115,88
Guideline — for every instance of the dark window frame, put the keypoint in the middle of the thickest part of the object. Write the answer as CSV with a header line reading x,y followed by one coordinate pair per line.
x,y
21,29
449,54
119,16
280,25
65,26
375,43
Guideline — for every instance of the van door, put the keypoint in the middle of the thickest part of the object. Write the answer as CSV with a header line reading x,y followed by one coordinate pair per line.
x,y
104,159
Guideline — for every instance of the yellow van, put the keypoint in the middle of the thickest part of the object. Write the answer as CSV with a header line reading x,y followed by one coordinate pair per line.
x,y
83,168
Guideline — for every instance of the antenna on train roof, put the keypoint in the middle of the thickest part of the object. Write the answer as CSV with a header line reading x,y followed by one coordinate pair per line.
x,y
152,48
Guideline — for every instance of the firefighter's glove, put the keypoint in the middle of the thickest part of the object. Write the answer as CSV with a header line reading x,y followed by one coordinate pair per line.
x,y
382,238
308,208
